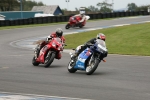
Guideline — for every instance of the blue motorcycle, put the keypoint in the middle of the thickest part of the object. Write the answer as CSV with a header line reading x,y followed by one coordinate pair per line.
x,y
89,59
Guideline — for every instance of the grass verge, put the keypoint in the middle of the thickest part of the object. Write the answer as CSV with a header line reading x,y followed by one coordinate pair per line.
x,y
127,40
33,25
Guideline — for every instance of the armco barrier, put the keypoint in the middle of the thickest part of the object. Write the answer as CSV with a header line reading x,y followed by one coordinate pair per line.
x,y
54,19
45,20
39,20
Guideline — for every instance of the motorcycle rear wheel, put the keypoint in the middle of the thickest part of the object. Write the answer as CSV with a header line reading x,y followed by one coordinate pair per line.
x,y
80,26
71,67
91,69
67,26
49,59
34,62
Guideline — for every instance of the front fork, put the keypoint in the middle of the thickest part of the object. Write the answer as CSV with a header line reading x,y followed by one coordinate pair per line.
x,y
93,58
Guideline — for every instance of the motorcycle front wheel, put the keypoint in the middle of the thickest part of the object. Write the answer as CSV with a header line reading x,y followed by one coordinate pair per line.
x,y
49,59
90,69
80,25
71,66
34,62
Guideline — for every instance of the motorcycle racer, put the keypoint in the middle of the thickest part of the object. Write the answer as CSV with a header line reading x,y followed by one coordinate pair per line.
x,y
91,41
58,33
82,16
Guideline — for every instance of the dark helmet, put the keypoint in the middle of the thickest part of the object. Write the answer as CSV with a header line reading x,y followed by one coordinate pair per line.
x,y
59,32
101,36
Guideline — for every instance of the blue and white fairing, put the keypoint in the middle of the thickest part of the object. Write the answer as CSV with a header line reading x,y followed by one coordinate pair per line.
x,y
83,56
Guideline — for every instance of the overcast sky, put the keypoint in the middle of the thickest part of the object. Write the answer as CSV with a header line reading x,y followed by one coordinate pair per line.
x,y
72,4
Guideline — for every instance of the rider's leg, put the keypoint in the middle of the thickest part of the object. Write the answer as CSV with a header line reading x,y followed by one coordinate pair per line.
x,y
79,51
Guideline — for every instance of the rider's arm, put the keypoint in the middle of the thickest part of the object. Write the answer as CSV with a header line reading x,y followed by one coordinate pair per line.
x,y
63,41
91,41
53,35
83,18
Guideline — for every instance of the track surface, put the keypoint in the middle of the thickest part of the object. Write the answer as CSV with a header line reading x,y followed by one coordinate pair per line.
x,y
120,78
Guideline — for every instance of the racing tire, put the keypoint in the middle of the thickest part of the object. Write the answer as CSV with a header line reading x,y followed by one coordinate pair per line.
x,y
49,59
80,26
34,62
71,67
91,69
67,26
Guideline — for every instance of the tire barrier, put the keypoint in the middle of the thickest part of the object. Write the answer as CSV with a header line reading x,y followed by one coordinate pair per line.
x,y
55,19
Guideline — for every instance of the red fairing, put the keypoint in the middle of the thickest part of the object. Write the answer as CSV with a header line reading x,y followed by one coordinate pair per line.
x,y
74,22
54,45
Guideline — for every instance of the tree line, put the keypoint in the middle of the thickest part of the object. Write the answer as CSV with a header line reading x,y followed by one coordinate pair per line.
x,y
15,5
104,6
27,5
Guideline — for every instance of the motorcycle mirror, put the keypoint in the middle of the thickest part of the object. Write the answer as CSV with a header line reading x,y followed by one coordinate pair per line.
x,y
71,54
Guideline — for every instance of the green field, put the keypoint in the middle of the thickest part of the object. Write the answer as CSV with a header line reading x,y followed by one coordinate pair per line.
x,y
127,40
32,25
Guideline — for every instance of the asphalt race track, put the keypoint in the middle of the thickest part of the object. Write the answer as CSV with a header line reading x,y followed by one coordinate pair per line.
x,y
120,78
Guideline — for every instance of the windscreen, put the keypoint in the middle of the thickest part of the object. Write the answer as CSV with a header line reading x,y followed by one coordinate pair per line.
x,y
57,39
101,42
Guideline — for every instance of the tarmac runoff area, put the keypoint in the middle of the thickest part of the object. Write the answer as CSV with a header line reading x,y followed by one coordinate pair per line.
x,y
29,44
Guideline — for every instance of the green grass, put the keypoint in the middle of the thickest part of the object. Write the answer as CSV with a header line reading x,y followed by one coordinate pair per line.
x,y
128,40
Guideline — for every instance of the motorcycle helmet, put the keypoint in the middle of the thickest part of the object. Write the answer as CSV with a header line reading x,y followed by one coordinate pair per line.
x,y
59,32
82,14
101,36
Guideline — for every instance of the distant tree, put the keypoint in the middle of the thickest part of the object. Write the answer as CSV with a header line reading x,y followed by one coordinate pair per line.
x,y
8,5
28,4
143,8
92,9
14,5
132,7
104,6
64,10
76,9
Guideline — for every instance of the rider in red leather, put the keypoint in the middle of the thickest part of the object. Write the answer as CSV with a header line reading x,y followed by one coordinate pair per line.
x,y
58,33
81,16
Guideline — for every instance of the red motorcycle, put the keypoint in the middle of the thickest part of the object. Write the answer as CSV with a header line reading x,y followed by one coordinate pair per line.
x,y
48,53
73,22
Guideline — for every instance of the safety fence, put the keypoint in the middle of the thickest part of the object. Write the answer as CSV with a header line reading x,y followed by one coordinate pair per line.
x,y
55,19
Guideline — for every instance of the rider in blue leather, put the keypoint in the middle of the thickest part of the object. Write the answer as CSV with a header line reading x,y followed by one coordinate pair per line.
x,y
91,41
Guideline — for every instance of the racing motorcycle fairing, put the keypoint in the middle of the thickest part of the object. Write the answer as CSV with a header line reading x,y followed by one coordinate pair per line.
x,y
54,45
83,56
